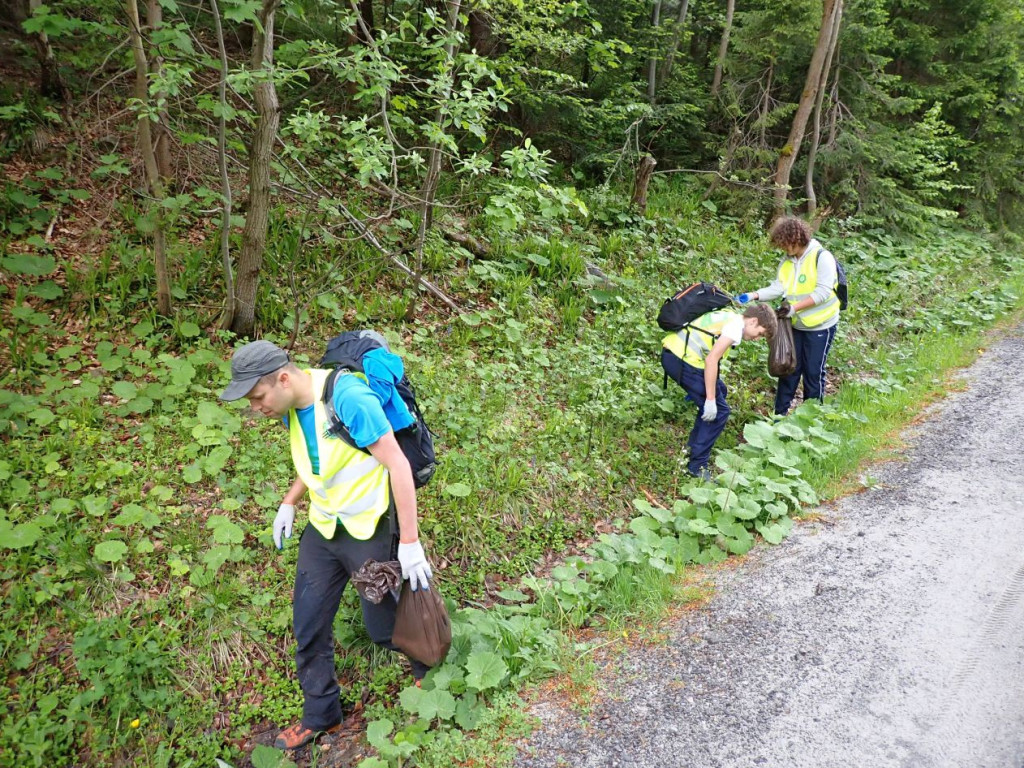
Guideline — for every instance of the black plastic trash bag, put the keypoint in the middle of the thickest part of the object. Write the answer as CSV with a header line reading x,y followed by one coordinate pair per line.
x,y
422,629
781,350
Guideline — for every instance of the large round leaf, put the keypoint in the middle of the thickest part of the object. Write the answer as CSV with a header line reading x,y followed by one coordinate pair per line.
x,y
24,535
27,264
110,551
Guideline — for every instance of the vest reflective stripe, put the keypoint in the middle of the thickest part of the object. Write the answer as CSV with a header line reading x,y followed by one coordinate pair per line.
x,y
364,504
800,284
351,487
351,473
692,345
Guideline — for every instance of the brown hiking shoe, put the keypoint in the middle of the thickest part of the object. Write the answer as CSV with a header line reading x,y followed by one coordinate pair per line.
x,y
299,735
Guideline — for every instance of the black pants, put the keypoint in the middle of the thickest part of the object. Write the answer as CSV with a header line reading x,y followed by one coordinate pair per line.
x,y
704,433
811,355
324,568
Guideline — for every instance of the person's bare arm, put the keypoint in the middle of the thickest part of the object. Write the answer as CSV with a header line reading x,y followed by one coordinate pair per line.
x,y
711,362
295,493
387,451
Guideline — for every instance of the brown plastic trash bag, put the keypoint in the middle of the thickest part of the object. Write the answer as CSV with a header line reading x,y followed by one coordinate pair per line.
x,y
422,629
374,580
781,350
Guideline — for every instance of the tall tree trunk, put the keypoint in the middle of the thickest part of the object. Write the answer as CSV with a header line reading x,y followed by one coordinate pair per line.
x,y
153,182
788,154
430,181
652,60
254,234
161,130
723,47
812,152
225,182
673,48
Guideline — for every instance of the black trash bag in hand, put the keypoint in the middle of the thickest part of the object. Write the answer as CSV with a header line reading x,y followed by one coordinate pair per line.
x,y
422,629
781,349
374,580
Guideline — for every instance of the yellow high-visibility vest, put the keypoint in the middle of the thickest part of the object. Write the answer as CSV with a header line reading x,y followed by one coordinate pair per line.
x,y
352,485
800,284
692,345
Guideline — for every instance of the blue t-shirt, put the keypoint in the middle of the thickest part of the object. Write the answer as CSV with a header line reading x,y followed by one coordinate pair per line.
x,y
358,408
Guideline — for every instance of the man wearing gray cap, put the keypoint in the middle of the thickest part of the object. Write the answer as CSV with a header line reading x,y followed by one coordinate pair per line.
x,y
351,498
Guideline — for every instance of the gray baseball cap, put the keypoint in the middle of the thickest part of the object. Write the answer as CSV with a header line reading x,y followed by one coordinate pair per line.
x,y
251,363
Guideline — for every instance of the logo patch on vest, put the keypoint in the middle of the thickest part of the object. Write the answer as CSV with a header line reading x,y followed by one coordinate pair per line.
x,y
802,279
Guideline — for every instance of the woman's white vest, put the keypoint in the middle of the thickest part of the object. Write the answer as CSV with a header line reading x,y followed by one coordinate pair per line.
x,y
799,284
352,485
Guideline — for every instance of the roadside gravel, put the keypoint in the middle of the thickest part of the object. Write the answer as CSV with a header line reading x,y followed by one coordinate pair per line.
x,y
888,630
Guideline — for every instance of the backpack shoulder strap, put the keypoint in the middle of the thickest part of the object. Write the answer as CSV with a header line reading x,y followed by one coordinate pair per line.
x,y
702,330
335,426
705,331
822,249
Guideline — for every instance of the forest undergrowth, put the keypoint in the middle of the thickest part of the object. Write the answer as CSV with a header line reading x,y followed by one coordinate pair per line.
x,y
146,614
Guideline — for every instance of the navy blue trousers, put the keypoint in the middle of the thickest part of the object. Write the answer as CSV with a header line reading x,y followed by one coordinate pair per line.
x,y
324,568
704,433
811,354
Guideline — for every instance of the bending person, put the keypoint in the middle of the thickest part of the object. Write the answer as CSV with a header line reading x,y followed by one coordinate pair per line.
x,y
353,496
690,358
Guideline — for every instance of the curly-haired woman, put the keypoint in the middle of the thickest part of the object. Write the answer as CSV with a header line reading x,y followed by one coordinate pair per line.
x,y
808,279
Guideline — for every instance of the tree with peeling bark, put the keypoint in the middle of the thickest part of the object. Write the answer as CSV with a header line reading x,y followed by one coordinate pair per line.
x,y
254,234
789,152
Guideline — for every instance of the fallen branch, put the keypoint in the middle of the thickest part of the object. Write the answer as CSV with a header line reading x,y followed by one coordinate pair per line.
x,y
477,247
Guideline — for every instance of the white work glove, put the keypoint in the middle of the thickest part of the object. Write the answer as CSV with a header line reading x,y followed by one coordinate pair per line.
x,y
415,567
710,411
283,523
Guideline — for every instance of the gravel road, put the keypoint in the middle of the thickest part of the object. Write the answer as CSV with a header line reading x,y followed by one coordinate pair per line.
x,y
887,631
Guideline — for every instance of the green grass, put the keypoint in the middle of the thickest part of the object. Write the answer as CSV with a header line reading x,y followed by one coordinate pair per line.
x,y
136,509
930,373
